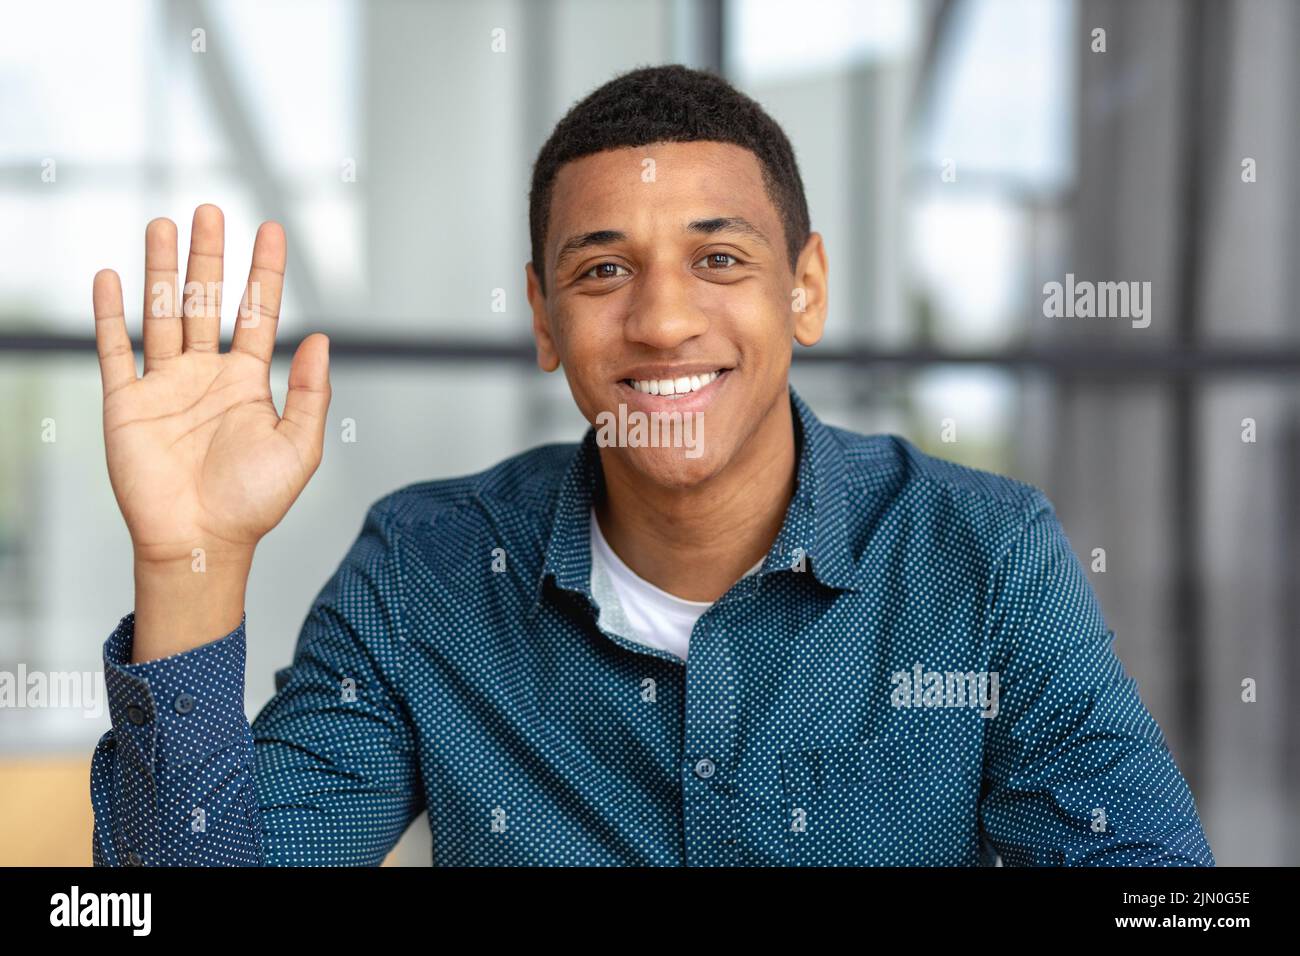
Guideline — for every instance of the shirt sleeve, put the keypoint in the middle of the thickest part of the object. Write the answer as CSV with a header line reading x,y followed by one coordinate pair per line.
x,y
324,776
1076,770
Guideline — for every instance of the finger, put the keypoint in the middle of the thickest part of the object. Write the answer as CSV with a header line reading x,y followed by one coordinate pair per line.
x,y
203,272
162,322
309,397
116,359
259,311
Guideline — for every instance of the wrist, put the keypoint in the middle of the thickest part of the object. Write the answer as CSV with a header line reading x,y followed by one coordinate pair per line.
x,y
181,604
197,557
194,572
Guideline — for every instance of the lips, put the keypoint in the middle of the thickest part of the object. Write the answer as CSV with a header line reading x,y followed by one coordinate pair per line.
x,y
702,389
674,386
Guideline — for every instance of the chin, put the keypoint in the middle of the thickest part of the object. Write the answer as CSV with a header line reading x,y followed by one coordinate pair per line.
x,y
670,468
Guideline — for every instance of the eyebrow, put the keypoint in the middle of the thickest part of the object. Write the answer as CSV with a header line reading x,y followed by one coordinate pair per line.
x,y
729,224
708,227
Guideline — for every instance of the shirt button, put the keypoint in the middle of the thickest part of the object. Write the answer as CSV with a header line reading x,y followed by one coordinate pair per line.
x,y
184,703
133,859
704,768
135,714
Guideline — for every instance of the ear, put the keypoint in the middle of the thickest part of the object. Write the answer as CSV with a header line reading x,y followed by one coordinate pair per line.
x,y
548,356
810,291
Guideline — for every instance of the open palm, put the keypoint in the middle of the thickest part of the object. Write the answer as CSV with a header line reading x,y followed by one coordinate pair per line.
x,y
197,454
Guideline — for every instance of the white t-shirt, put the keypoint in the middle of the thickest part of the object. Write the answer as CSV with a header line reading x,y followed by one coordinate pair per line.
x,y
659,619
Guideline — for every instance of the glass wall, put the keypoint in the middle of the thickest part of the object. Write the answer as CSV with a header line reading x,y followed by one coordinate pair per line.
x,y
958,158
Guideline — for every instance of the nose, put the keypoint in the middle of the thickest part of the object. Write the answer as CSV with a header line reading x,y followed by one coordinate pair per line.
x,y
662,315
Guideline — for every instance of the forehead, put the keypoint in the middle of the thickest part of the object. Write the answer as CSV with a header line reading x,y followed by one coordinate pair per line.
x,y
617,188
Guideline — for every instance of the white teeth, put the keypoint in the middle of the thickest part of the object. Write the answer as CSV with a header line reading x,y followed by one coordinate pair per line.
x,y
673,386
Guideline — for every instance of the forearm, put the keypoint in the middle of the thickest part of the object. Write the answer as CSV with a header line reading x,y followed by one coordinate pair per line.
x,y
173,783
202,814
182,604
327,774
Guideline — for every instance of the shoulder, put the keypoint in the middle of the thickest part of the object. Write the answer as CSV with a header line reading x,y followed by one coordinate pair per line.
x,y
893,461
524,485
435,536
893,484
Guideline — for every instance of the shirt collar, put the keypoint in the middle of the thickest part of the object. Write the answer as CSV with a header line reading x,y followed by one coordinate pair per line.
x,y
815,524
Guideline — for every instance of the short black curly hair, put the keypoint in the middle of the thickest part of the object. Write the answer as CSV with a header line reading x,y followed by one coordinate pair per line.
x,y
669,103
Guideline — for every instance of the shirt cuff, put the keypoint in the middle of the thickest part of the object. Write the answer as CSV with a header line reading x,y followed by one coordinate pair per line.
x,y
178,709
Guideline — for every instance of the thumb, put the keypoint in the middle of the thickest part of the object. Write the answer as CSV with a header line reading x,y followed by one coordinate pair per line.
x,y
308,400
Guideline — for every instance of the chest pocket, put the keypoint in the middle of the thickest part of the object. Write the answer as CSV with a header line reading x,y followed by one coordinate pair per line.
x,y
852,805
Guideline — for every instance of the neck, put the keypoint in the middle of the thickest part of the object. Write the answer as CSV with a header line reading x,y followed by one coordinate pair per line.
x,y
699,541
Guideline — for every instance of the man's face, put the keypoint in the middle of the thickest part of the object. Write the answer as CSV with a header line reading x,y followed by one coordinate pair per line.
x,y
667,263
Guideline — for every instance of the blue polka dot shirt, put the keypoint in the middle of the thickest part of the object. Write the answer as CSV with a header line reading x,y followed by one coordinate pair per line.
x,y
919,674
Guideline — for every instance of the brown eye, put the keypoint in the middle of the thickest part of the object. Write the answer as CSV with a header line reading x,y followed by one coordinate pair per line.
x,y
713,257
603,275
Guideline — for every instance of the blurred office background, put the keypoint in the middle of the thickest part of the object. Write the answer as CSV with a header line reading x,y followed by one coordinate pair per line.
x,y
395,144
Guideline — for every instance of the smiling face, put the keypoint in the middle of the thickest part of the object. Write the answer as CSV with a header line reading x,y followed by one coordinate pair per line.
x,y
669,290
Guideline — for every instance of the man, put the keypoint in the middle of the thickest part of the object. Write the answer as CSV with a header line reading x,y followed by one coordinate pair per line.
x,y
761,641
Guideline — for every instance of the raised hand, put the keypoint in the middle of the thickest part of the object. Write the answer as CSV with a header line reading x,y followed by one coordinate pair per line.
x,y
198,456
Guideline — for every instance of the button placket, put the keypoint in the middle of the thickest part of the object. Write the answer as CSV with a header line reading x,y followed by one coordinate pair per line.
x,y
709,747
